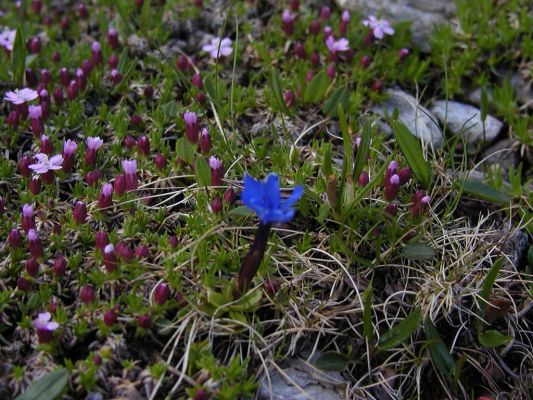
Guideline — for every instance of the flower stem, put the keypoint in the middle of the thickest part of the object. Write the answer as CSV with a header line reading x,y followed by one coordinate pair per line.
x,y
253,259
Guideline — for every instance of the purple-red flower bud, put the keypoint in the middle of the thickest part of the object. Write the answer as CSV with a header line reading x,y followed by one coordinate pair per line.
x,y
113,61
31,77
23,284
315,59
96,56
365,61
87,294
46,145
392,188
143,144
35,45
148,91
288,97
112,38
13,119
72,90
325,13
56,57
124,251
130,142
116,76
182,63
205,141
363,179
64,76
314,27
28,218
160,162
34,244
142,251
299,51
377,86
93,177
144,321
161,293
405,175
120,185
58,95
83,12
173,241
32,267
14,238
391,209
331,71
23,164
191,128
86,67
110,317
110,259
216,205
36,6
80,212
196,80
101,240
60,265
46,77
105,199
35,185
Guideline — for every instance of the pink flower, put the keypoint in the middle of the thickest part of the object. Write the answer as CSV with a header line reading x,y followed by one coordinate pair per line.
x,y
95,47
69,147
43,322
7,39
129,167
345,16
335,46
44,164
35,112
379,27
218,47
191,129
21,96
215,163
94,143
287,17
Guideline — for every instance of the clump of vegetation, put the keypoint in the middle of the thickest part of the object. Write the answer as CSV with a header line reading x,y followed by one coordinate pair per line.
x,y
189,201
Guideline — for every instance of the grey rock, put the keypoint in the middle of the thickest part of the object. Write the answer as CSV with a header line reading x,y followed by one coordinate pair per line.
x,y
420,121
502,153
474,96
466,120
315,383
424,14
523,89
516,246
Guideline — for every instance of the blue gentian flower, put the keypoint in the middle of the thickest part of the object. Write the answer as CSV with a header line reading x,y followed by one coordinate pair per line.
x,y
265,199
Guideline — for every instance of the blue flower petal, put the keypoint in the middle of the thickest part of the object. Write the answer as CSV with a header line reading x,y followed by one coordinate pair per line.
x,y
264,198
253,191
271,190
294,197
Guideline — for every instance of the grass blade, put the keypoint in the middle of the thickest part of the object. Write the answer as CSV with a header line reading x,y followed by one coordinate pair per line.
x,y
412,150
400,332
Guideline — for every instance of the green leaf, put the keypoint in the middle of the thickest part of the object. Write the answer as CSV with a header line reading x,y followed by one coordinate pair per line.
x,y
184,150
248,302
341,95
485,192
18,57
317,88
332,361
202,171
241,211
492,338
361,158
418,251
48,387
368,329
276,88
400,332
486,290
412,150
440,355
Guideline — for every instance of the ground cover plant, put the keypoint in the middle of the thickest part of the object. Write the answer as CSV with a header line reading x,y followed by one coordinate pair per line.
x,y
207,200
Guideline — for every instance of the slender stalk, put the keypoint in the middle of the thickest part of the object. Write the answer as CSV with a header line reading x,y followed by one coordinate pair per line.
x,y
253,259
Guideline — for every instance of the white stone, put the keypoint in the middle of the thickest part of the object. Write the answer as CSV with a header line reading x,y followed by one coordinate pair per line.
x,y
465,120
